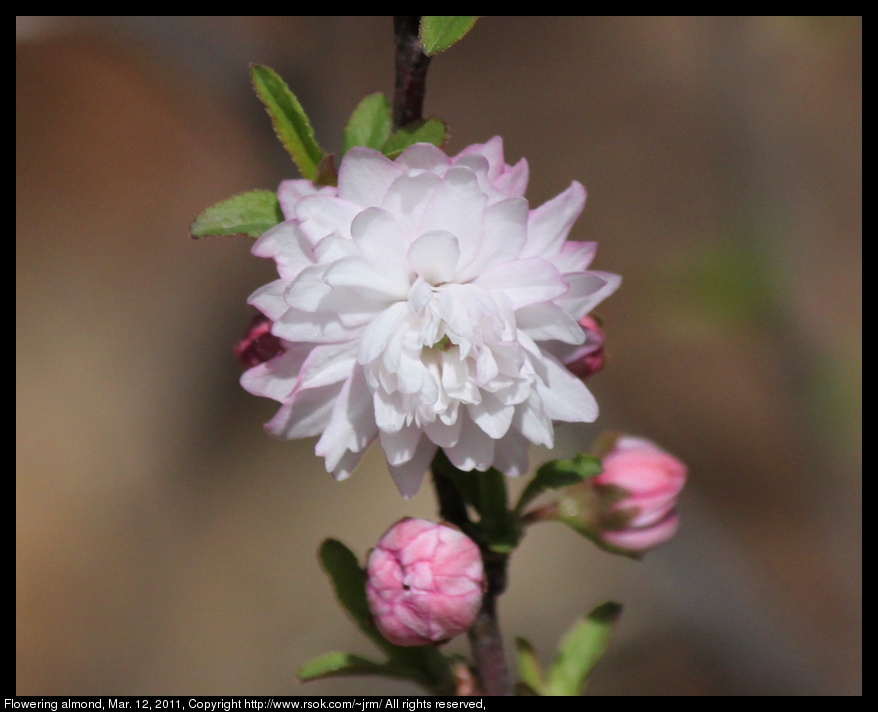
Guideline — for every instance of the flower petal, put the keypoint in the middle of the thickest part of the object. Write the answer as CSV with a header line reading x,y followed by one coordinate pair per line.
x,y
474,449
290,192
352,423
549,224
407,199
367,278
574,257
365,175
492,416
547,321
288,246
277,378
511,454
434,256
524,282
269,299
458,206
306,414
566,397
409,475
424,157
400,446
380,238
377,335
318,328
587,290
322,215
328,363
503,238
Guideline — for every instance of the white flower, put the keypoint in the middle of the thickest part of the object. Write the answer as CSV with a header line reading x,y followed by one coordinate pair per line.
x,y
423,304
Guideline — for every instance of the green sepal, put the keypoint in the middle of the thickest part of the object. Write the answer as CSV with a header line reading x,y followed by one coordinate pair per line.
x,y
580,649
583,510
433,131
585,530
370,124
439,32
327,174
558,474
291,123
250,213
529,668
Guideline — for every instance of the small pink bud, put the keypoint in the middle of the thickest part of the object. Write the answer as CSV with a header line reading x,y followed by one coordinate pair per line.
x,y
589,358
425,582
639,487
259,344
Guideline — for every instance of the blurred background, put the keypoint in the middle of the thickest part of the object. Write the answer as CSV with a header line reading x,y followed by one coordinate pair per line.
x,y
166,545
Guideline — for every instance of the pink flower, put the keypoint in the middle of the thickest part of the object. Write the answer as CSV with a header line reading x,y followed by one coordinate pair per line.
x,y
259,344
639,486
587,359
423,304
425,582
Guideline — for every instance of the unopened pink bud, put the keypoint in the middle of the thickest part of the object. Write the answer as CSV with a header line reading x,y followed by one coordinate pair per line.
x,y
425,582
642,483
259,344
589,358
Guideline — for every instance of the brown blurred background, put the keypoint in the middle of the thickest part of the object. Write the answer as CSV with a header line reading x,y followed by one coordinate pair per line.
x,y
166,545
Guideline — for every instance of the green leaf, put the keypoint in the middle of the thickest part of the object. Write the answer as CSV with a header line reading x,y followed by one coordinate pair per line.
x,y
439,32
339,664
433,131
290,122
529,668
580,649
369,125
250,213
349,581
336,664
558,474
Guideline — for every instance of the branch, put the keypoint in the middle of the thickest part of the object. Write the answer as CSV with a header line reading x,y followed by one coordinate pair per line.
x,y
411,71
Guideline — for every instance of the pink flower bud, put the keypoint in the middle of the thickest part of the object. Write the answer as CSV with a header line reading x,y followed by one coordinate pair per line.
x,y
589,358
639,487
425,582
259,344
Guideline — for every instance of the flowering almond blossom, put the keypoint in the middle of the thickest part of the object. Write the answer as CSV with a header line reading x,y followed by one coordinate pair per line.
x,y
638,488
423,304
424,582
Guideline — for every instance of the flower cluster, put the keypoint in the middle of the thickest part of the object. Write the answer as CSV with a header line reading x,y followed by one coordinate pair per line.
x,y
423,303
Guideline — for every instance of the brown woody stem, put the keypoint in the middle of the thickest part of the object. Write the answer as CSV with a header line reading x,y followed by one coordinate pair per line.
x,y
411,71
